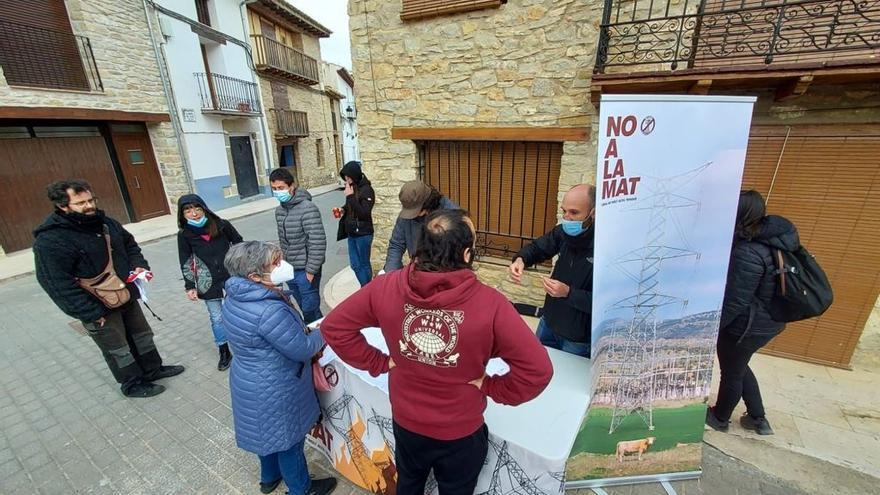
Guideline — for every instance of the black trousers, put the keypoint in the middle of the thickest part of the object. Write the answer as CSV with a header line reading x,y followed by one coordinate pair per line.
x,y
126,341
737,380
456,463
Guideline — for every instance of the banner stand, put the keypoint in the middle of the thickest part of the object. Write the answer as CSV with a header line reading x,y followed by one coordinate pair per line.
x,y
633,480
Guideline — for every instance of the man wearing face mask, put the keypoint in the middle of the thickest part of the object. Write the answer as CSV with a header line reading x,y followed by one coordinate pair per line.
x,y
72,246
568,305
303,241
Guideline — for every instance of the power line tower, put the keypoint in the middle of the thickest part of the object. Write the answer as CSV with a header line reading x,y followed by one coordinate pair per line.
x,y
632,345
517,478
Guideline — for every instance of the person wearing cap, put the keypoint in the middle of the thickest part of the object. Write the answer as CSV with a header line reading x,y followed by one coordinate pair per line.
x,y
418,200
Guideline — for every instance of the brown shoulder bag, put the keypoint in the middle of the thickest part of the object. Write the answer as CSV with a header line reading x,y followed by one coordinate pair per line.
x,y
107,287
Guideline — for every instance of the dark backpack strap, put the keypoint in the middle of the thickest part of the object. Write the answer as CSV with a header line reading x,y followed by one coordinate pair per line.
x,y
780,270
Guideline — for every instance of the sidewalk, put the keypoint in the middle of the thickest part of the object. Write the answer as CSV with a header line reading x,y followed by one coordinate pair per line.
x,y
21,263
820,412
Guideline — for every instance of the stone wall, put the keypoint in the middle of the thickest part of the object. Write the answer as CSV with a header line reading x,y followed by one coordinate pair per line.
x,y
126,63
317,105
527,63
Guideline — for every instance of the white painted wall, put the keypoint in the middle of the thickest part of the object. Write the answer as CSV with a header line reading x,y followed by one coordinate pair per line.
x,y
205,137
350,149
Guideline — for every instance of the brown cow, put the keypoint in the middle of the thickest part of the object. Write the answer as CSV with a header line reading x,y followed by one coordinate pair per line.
x,y
632,447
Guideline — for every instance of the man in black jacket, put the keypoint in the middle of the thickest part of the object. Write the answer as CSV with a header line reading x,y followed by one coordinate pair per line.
x,y
70,245
568,306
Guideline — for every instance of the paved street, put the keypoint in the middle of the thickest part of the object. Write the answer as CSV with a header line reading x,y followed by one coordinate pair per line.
x,y
67,429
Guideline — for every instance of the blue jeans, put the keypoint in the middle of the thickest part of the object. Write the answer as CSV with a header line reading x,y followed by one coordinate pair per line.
x,y
290,465
550,339
307,295
359,257
214,307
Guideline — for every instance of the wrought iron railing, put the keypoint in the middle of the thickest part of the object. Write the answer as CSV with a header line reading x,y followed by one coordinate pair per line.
x,y
275,57
42,58
714,33
226,94
292,123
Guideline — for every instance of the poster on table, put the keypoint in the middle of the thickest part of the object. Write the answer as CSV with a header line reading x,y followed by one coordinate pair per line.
x,y
356,435
668,179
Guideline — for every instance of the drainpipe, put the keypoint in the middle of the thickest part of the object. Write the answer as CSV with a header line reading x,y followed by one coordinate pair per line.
x,y
256,79
172,106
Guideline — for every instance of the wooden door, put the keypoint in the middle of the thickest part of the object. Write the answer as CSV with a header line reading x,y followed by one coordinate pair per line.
x,y
828,184
141,175
28,165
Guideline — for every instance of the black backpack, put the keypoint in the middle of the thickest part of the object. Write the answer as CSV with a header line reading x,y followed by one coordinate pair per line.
x,y
802,291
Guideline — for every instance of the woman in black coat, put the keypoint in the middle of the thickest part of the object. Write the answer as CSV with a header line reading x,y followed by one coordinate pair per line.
x,y
746,326
202,243
356,222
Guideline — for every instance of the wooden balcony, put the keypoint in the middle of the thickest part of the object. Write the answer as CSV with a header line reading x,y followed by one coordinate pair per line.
x,y
42,58
277,59
291,123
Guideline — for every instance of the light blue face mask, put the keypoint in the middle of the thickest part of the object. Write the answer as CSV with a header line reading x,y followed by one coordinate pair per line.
x,y
282,196
198,223
573,228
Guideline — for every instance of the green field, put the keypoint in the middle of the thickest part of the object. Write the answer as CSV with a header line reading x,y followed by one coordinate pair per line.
x,y
672,426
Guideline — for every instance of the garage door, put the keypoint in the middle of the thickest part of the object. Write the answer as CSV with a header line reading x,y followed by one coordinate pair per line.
x,y
828,183
28,164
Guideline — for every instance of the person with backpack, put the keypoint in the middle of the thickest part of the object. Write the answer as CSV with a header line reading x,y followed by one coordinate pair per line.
x,y
202,243
771,280
356,220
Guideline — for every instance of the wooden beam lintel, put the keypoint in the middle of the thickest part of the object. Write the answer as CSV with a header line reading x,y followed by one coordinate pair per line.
x,y
81,114
551,134
794,87
700,87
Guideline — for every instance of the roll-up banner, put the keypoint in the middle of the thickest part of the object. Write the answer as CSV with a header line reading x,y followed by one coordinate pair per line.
x,y
668,179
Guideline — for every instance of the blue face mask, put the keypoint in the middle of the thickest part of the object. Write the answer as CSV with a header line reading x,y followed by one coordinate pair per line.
x,y
282,196
573,227
198,223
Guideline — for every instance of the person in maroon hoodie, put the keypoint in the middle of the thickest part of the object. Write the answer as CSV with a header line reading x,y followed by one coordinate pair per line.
x,y
442,326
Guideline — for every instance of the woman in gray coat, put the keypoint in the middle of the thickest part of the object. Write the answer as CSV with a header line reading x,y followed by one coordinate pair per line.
x,y
273,397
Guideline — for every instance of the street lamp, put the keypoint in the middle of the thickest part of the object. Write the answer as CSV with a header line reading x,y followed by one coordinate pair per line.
x,y
350,112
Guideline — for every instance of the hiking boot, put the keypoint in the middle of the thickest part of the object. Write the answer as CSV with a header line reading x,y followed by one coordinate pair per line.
x,y
714,422
225,358
165,372
270,486
144,389
759,425
323,486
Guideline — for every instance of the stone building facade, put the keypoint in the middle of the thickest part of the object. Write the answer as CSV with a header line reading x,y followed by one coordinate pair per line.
x,y
300,111
452,81
100,78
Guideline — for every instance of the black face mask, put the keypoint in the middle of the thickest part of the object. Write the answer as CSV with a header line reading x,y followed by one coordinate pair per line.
x,y
85,220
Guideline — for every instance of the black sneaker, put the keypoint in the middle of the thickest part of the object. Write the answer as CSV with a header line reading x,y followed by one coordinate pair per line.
x,y
144,389
759,425
270,486
323,486
165,372
714,422
225,358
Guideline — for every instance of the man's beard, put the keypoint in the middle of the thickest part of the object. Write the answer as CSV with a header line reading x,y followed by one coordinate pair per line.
x,y
90,211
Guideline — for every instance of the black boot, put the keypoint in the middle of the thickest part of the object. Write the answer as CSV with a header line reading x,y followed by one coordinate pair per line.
x,y
225,357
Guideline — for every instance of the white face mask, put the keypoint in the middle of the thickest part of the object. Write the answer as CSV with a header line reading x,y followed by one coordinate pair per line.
x,y
281,273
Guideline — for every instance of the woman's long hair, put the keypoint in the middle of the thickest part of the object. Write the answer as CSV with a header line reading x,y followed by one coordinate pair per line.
x,y
749,214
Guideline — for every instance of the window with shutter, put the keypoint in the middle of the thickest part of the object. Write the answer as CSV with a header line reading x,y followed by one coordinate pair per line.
x,y
828,185
509,187
419,9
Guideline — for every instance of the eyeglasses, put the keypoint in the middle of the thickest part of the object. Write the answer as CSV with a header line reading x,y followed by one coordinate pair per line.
x,y
93,201
194,209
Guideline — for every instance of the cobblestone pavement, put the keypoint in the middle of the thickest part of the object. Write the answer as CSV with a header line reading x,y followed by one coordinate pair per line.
x,y
67,429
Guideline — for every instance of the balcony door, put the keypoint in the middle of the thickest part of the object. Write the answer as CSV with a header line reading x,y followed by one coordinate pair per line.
x,y
243,165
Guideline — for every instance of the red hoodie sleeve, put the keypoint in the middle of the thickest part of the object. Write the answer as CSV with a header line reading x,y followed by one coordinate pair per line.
x,y
530,366
342,330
